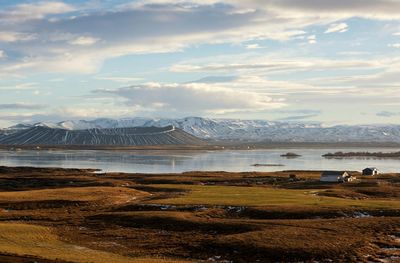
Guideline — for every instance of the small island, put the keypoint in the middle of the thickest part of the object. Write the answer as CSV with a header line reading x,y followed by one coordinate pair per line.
x,y
362,154
290,155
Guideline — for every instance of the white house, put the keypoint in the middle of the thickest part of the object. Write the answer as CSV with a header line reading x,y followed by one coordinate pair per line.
x,y
336,177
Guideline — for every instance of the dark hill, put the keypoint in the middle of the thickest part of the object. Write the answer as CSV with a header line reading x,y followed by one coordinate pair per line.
x,y
138,136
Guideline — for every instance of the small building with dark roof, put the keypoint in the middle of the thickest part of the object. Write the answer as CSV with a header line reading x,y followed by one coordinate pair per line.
x,y
371,171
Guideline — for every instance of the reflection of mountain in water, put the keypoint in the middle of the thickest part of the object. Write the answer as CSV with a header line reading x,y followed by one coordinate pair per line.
x,y
169,161
138,136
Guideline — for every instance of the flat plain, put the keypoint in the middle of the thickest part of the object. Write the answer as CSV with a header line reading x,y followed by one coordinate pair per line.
x,y
72,215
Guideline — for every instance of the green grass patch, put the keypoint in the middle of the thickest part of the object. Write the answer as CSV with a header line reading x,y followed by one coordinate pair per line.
x,y
266,196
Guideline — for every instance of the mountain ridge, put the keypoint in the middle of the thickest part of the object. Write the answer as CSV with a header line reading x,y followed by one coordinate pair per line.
x,y
242,130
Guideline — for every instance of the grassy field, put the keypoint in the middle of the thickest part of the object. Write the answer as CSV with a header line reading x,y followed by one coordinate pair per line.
x,y
24,239
113,195
55,215
267,196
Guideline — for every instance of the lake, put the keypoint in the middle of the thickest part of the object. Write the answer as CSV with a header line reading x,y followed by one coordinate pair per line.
x,y
175,161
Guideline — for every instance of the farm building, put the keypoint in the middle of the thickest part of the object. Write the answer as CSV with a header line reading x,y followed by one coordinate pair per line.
x,y
336,177
370,171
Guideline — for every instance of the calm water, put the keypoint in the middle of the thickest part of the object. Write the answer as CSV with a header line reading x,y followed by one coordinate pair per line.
x,y
166,162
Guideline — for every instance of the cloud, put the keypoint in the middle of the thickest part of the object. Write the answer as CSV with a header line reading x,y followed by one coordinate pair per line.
x,y
76,112
20,86
396,45
377,9
53,36
30,117
192,98
66,62
387,114
300,111
253,46
15,36
118,79
32,11
91,111
354,53
215,79
298,117
21,106
84,41
157,26
339,28
385,79
91,36
356,82
312,39
131,31
276,65
297,114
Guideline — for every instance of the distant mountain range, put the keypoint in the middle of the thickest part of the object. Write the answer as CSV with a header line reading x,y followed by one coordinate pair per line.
x,y
137,136
239,130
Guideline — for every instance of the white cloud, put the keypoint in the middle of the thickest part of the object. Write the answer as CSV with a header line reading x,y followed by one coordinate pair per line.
x,y
76,112
396,45
2,53
118,79
312,39
30,11
198,98
354,53
274,64
377,88
19,86
339,28
67,62
377,9
92,111
84,41
253,46
15,36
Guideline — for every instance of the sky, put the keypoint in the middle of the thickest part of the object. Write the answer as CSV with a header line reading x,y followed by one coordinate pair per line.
x,y
333,62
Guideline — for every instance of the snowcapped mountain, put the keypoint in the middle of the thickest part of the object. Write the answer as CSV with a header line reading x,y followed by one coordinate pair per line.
x,y
244,130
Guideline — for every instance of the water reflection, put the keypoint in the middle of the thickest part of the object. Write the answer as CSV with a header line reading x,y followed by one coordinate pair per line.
x,y
170,161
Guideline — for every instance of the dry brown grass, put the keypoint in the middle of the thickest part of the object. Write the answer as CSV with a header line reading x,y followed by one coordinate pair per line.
x,y
24,239
111,195
76,215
